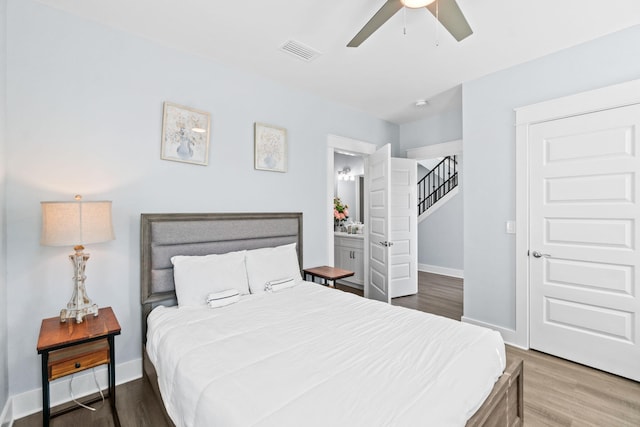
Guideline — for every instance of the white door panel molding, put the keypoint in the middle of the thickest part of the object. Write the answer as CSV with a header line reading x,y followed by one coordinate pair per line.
x,y
378,177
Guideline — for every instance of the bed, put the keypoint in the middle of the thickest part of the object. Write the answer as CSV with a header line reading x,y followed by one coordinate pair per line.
x,y
307,354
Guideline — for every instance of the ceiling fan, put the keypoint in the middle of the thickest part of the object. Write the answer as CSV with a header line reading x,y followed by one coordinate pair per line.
x,y
447,12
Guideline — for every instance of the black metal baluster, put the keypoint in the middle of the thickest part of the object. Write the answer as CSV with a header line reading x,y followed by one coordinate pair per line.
x,y
437,183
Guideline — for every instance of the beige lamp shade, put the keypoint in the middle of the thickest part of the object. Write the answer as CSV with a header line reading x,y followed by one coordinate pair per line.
x,y
76,223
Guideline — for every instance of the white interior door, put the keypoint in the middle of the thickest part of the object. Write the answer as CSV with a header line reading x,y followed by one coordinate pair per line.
x,y
404,227
378,225
584,237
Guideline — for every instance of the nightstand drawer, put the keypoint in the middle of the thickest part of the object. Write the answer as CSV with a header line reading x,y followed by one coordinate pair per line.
x,y
78,358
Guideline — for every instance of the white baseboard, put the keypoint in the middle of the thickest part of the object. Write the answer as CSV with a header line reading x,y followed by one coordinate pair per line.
x,y
509,336
445,271
6,416
30,402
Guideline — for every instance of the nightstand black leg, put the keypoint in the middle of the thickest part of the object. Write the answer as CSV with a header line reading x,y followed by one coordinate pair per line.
x,y
112,380
46,411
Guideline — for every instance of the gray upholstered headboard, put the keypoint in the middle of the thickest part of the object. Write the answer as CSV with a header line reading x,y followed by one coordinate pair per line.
x,y
165,235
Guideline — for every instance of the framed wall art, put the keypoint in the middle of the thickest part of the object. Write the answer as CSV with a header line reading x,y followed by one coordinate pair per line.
x,y
185,134
270,148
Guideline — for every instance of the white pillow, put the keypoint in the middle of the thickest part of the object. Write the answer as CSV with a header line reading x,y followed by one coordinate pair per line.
x,y
196,277
269,264
224,298
278,285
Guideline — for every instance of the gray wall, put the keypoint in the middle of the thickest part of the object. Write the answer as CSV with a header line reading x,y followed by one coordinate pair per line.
x,y
84,107
422,172
489,156
4,346
431,130
440,236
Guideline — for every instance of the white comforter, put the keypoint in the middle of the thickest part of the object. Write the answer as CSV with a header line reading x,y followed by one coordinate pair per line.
x,y
313,356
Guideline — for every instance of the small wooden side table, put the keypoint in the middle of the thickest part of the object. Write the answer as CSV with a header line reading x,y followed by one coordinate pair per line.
x,y
71,347
327,273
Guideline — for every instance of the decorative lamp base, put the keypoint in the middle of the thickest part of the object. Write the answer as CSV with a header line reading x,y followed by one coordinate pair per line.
x,y
78,313
80,304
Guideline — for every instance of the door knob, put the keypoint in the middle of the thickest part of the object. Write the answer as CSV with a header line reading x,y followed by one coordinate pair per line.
x,y
386,244
537,254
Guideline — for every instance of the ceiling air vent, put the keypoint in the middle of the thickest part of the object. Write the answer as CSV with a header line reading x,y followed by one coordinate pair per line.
x,y
299,50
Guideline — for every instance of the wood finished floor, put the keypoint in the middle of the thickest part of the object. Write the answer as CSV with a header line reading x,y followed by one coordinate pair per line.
x,y
441,295
556,392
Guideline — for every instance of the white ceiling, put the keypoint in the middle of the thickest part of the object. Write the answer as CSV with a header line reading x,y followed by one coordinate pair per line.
x,y
390,70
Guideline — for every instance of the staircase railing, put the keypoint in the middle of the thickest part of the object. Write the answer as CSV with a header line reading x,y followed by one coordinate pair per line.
x,y
437,183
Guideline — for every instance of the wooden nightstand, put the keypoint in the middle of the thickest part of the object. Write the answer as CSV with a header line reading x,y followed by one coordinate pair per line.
x,y
71,347
327,273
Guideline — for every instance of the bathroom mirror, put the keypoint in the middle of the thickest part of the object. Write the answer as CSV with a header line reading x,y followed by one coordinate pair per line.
x,y
349,184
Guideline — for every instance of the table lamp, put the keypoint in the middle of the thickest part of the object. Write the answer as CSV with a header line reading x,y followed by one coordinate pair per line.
x,y
77,223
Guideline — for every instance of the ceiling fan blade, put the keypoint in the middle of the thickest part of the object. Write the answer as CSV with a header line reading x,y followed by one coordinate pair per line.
x,y
390,8
451,17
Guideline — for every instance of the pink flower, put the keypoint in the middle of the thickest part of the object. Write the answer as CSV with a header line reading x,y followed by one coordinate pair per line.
x,y
342,216
346,212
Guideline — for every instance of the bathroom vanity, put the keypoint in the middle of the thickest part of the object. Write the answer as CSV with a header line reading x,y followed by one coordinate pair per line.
x,y
349,255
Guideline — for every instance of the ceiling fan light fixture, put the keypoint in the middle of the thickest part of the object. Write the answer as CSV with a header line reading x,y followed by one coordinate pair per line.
x,y
446,12
416,4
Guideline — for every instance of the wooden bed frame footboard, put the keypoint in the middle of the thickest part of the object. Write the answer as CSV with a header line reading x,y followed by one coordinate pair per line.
x,y
503,407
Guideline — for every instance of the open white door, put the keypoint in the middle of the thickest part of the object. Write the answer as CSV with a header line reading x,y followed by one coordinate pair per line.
x,y
378,225
404,227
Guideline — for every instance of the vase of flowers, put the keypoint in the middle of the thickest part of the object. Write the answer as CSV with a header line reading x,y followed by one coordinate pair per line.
x,y
340,213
